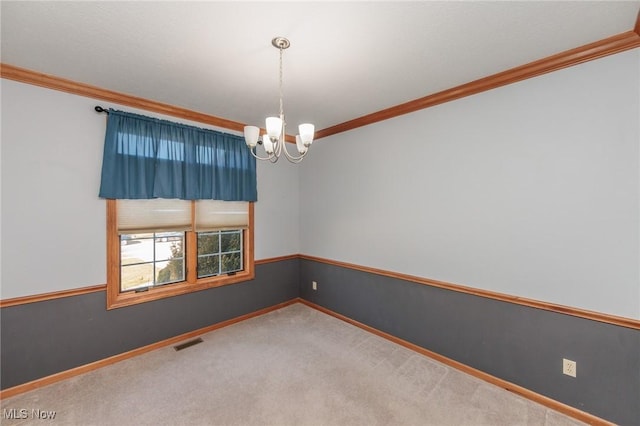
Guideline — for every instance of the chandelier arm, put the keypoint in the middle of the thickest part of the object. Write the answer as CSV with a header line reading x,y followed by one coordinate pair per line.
x,y
294,158
283,134
252,150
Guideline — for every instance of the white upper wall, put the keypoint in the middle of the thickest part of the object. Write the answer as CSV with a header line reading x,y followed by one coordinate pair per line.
x,y
54,224
277,210
531,189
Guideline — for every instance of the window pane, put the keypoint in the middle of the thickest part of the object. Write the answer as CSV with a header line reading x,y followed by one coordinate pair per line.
x,y
208,243
230,262
213,242
230,241
169,272
208,266
169,245
136,248
151,259
136,276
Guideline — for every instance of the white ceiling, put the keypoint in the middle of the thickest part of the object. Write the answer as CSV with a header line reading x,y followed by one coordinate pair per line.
x,y
346,60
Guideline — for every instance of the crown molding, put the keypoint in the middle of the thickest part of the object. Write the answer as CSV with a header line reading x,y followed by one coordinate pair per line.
x,y
24,75
608,46
48,81
605,47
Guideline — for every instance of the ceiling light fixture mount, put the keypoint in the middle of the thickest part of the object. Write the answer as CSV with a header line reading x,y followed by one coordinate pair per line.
x,y
281,43
273,141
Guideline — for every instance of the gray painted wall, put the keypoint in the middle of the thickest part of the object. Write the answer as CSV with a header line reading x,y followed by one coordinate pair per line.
x,y
516,343
44,338
522,345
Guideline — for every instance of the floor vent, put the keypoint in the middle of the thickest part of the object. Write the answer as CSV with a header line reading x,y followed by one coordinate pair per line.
x,y
187,344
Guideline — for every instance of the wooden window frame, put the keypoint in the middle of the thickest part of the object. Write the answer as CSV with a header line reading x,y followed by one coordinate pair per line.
x,y
118,299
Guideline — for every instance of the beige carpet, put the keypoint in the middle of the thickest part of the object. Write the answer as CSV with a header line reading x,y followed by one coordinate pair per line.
x,y
294,366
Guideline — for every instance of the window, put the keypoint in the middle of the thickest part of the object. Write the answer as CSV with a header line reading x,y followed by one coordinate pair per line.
x,y
161,248
167,233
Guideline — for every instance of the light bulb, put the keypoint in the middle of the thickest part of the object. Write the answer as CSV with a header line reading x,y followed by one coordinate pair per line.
x,y
251,134
274,127
268,145
306,133
301,148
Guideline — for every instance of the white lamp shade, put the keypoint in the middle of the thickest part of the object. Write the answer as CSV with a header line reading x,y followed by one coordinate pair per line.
x,y
251,134
301,148
274,127
268,145
306,133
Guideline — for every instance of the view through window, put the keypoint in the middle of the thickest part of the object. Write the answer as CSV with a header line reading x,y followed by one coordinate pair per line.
x,y
151,259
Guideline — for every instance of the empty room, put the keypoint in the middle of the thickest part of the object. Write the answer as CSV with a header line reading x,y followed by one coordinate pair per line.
x,y
320,213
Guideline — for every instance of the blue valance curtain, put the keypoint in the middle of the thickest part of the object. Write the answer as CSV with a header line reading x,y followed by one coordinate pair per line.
x,y
146,157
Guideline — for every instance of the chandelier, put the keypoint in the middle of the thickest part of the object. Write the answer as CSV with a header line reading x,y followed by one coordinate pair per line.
x,y
273,141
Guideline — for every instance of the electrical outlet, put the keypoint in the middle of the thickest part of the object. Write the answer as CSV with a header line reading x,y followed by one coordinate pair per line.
x,y
569,367
314,285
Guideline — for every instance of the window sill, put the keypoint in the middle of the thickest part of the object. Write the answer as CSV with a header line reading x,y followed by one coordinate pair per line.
x,y
118,300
